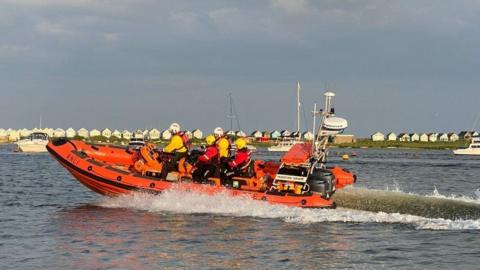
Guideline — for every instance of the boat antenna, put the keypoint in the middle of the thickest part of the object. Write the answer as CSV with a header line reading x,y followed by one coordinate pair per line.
x,y
40,122
298,110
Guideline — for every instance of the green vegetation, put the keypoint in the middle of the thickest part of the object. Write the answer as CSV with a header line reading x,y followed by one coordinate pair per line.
x,y
420,145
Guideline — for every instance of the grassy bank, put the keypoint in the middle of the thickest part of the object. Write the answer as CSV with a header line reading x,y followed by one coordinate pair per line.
x,y
362,143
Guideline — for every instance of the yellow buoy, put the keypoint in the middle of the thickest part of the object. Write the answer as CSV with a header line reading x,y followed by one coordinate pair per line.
x,y
345,157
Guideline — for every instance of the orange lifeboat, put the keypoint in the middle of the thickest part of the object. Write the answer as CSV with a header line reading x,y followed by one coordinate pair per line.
x,y
113,171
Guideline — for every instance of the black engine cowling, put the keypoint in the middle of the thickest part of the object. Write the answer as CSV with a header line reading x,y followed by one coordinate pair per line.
x,y
322,181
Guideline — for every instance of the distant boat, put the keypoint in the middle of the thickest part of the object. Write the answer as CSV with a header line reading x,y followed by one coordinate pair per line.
x,y
283,146
137,140
472,149
34,143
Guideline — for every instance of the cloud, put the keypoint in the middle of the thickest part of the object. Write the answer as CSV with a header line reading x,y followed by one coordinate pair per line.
x,y
111,36
8,50
290,6
49,28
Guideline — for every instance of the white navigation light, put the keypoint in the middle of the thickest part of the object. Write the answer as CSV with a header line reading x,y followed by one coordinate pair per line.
x,y
334,125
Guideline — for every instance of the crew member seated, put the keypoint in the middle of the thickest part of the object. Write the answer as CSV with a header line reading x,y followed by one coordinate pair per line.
x,y
240,165
176,147
207,164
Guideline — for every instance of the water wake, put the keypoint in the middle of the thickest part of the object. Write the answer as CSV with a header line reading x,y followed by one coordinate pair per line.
x,y
430,206
191,203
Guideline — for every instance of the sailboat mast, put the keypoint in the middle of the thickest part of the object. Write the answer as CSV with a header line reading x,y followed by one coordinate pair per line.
x,y
298,110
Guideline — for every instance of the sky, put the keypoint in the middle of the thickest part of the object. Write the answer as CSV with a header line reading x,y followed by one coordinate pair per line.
x,y
402,66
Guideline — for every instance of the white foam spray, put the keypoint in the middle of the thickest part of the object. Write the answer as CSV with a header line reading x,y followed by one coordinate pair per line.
x,y
222,204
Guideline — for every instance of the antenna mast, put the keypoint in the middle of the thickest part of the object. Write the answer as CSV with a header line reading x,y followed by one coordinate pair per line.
x,y
298,109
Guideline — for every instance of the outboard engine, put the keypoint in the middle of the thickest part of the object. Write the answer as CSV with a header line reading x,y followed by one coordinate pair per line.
x,y
322,181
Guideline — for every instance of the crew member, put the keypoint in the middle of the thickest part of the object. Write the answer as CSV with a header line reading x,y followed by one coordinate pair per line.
x,y
208,162
223,144
176,147
240,165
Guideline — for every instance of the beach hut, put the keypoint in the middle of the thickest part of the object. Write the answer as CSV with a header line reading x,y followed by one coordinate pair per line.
x,y
138,134
404,137
13,135
127,135
285,133
432,137
59,133
452,137
378,137
189,134
166,134
241,134
154,134
465,135
70,133
94,133
414,137
117,134
107,133
36,130
197,134
391,136
49,131
3,133
475,134
307,135
443,137
424,137
25,132
266,134
82,133
256,134
275,134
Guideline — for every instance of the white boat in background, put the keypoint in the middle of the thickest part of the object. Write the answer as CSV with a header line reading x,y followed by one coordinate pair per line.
x,y
34,143
137,140
472,149
283,146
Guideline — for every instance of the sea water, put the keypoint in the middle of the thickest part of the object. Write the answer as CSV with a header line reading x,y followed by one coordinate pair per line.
x,y
50,221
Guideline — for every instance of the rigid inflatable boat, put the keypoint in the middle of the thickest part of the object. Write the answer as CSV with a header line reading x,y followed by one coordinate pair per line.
x,y
113,171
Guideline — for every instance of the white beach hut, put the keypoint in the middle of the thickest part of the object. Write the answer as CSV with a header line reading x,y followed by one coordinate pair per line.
x,y
83,132
404,137
94,133
70,132
241,134
452,137
58,133
166,134
107,133
307,135
257,134
126,134
391,136
424,137
25,132
432,137
154,134
443,137
414,137
285,133
13,135
275,134
117,134
378,137
49,131
197,134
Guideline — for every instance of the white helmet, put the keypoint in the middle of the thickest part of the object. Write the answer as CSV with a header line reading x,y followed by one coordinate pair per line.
x,y
218,131
174,128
